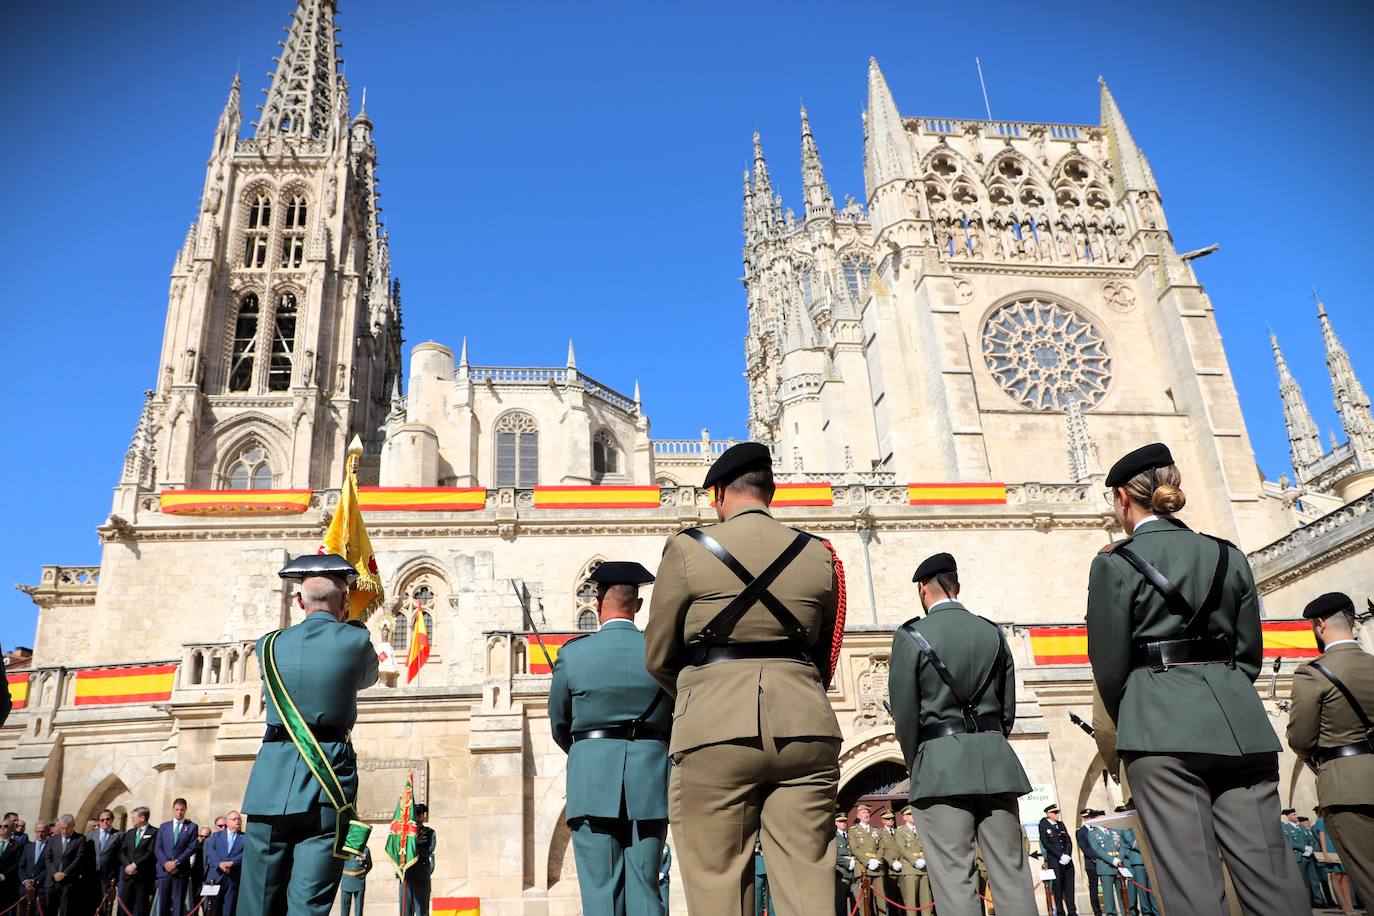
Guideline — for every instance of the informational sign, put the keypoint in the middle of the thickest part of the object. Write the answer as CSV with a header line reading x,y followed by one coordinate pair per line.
x,y
1032,805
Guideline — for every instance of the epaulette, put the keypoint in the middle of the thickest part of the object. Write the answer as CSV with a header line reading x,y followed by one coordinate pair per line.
x,y
1115,544
356,623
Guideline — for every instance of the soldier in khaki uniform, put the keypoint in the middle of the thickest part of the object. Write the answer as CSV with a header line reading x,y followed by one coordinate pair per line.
x,y
866,842
1330,726
912,877
740,632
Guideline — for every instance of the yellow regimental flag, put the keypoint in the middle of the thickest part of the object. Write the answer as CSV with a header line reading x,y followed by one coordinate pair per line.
x,y
347,537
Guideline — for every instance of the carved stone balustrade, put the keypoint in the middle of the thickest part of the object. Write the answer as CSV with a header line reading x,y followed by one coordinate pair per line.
x,y
211,665
64,585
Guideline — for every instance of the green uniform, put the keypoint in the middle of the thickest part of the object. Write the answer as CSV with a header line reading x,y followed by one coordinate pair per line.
x,y
353,885
1141,899
912,877
1194,737
1105,846
1304,846
418,877
755,741
963,786
617,789
288,854
1322,718
845,862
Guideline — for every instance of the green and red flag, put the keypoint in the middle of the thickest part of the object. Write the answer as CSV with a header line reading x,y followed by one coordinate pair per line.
x,y
400,844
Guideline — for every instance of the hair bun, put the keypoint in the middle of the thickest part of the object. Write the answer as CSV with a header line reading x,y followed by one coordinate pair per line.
x,y
1167,498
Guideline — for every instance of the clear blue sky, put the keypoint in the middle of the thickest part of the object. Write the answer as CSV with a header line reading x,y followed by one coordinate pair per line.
x,y
573,170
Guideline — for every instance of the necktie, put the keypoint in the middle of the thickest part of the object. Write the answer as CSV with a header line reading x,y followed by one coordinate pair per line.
x,y
176,830
138,838
229,841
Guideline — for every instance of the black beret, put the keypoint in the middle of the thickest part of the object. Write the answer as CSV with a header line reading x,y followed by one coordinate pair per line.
x,y
617,572
735,460
1145,458
318,564
932,566
1325,605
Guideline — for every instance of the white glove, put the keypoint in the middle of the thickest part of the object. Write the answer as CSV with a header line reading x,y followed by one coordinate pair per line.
x,y
920,863
852,863
1116,862
896,866
1307,850
873,864
1064,860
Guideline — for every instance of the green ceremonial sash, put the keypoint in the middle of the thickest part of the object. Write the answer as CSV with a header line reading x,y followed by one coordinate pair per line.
x,y
350,835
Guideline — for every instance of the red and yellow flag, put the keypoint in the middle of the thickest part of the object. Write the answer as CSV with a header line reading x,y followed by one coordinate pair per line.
x,y
400,842
19,689
539,661
1069,645
419,645
422,499
596,497
233,502
956,494
133,684
347,537
456,906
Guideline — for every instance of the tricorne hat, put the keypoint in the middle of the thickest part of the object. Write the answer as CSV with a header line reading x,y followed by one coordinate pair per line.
x,y
319,564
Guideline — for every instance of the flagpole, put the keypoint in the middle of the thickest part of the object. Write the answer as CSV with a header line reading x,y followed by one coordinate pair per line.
x,y
529,615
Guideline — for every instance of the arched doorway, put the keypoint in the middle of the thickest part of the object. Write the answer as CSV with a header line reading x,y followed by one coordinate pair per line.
x,y
883,785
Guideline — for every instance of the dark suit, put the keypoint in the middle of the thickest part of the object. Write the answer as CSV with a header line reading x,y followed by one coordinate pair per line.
x,y
218,849
1084,847
10,858
106,845
1054,844
74,858
136,849
171,888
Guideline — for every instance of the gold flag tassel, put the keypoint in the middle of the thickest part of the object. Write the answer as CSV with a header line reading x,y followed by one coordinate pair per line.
x,y
347,537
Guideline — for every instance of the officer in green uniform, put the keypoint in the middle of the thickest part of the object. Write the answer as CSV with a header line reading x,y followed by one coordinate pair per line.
x,y
665,876
612,719
418,877
1175,644
1138,887
1331,726
289,860
912,877
844,865
1304,847
953,690
1106,851
353,887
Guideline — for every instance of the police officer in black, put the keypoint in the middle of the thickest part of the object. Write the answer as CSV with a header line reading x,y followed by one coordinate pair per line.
x,y
1057,848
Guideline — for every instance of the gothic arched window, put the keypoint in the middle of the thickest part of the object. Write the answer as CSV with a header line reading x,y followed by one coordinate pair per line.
x,y
244,348
259,225
283,343
587,620
586,596
857,272
400,636
250,470
808,291
605,454
517,450
293,233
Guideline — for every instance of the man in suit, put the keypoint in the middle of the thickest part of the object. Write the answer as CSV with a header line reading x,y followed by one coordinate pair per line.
x,y
105,839
70,864
741,633
11,854
912,876
611,718
323,661
33,868
224,864
953,697
1056,852
1330,727
173,849
1081,835
1105,846
137,864
353,885
844,865
1138,885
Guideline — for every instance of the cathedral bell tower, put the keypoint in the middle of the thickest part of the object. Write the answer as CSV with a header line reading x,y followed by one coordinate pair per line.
x,y
283,328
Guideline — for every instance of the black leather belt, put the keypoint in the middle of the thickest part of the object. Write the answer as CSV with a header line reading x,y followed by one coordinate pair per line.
x,y
703,654
967,725
1324,755
1165,653
626,732
325,734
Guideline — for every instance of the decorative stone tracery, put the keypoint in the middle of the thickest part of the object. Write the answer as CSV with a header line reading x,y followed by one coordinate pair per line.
x,y
1041,352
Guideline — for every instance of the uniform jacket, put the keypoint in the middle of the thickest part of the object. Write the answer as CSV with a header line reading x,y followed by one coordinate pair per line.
x,y
323,664
843,853
866,844
33,863
1105,845
908,847
1321,717
1054,842
1225,715
355,872
724,702
967,764
1298,838
136,847
599,681
1081,835
1130,848
180,849
216,851
425,843
106,846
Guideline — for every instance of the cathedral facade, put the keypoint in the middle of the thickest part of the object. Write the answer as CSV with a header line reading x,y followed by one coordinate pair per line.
x,y
946,365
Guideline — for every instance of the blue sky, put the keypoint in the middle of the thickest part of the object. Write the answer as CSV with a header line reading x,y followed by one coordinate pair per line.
x,y
573,170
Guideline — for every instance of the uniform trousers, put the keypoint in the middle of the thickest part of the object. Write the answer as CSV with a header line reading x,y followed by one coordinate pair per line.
x,y
1062,889
1191,806
617,865
417,896
289,865
878,889
348,900
1090,873
1141,900
721,796
948,826
1312,877
1352,827
915,889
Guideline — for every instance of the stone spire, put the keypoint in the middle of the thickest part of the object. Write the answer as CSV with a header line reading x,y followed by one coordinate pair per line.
x,y
819,203
1084,462
302,100
1304,439
138,460
230,120
765,211
1132,172
1351,401
887,151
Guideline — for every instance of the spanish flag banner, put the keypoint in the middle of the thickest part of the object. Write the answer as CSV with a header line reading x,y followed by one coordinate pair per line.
x,y
456,906
803,494
1069,645
234,502
419,645
956,494
596,497
400,842
422,499
539,663
19,689
347,538
1290,639
135,684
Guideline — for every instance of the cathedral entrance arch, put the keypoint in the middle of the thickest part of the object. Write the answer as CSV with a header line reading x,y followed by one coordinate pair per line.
x,y
873,770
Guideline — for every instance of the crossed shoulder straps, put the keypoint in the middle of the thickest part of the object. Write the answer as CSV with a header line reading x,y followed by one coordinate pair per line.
x,y
717,630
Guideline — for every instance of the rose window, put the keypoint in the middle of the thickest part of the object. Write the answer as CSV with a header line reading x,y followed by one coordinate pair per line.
x,y
1044,355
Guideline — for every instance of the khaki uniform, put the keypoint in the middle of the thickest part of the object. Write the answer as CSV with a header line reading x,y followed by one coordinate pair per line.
x,y
912,878
755,744
867,844
1322,718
